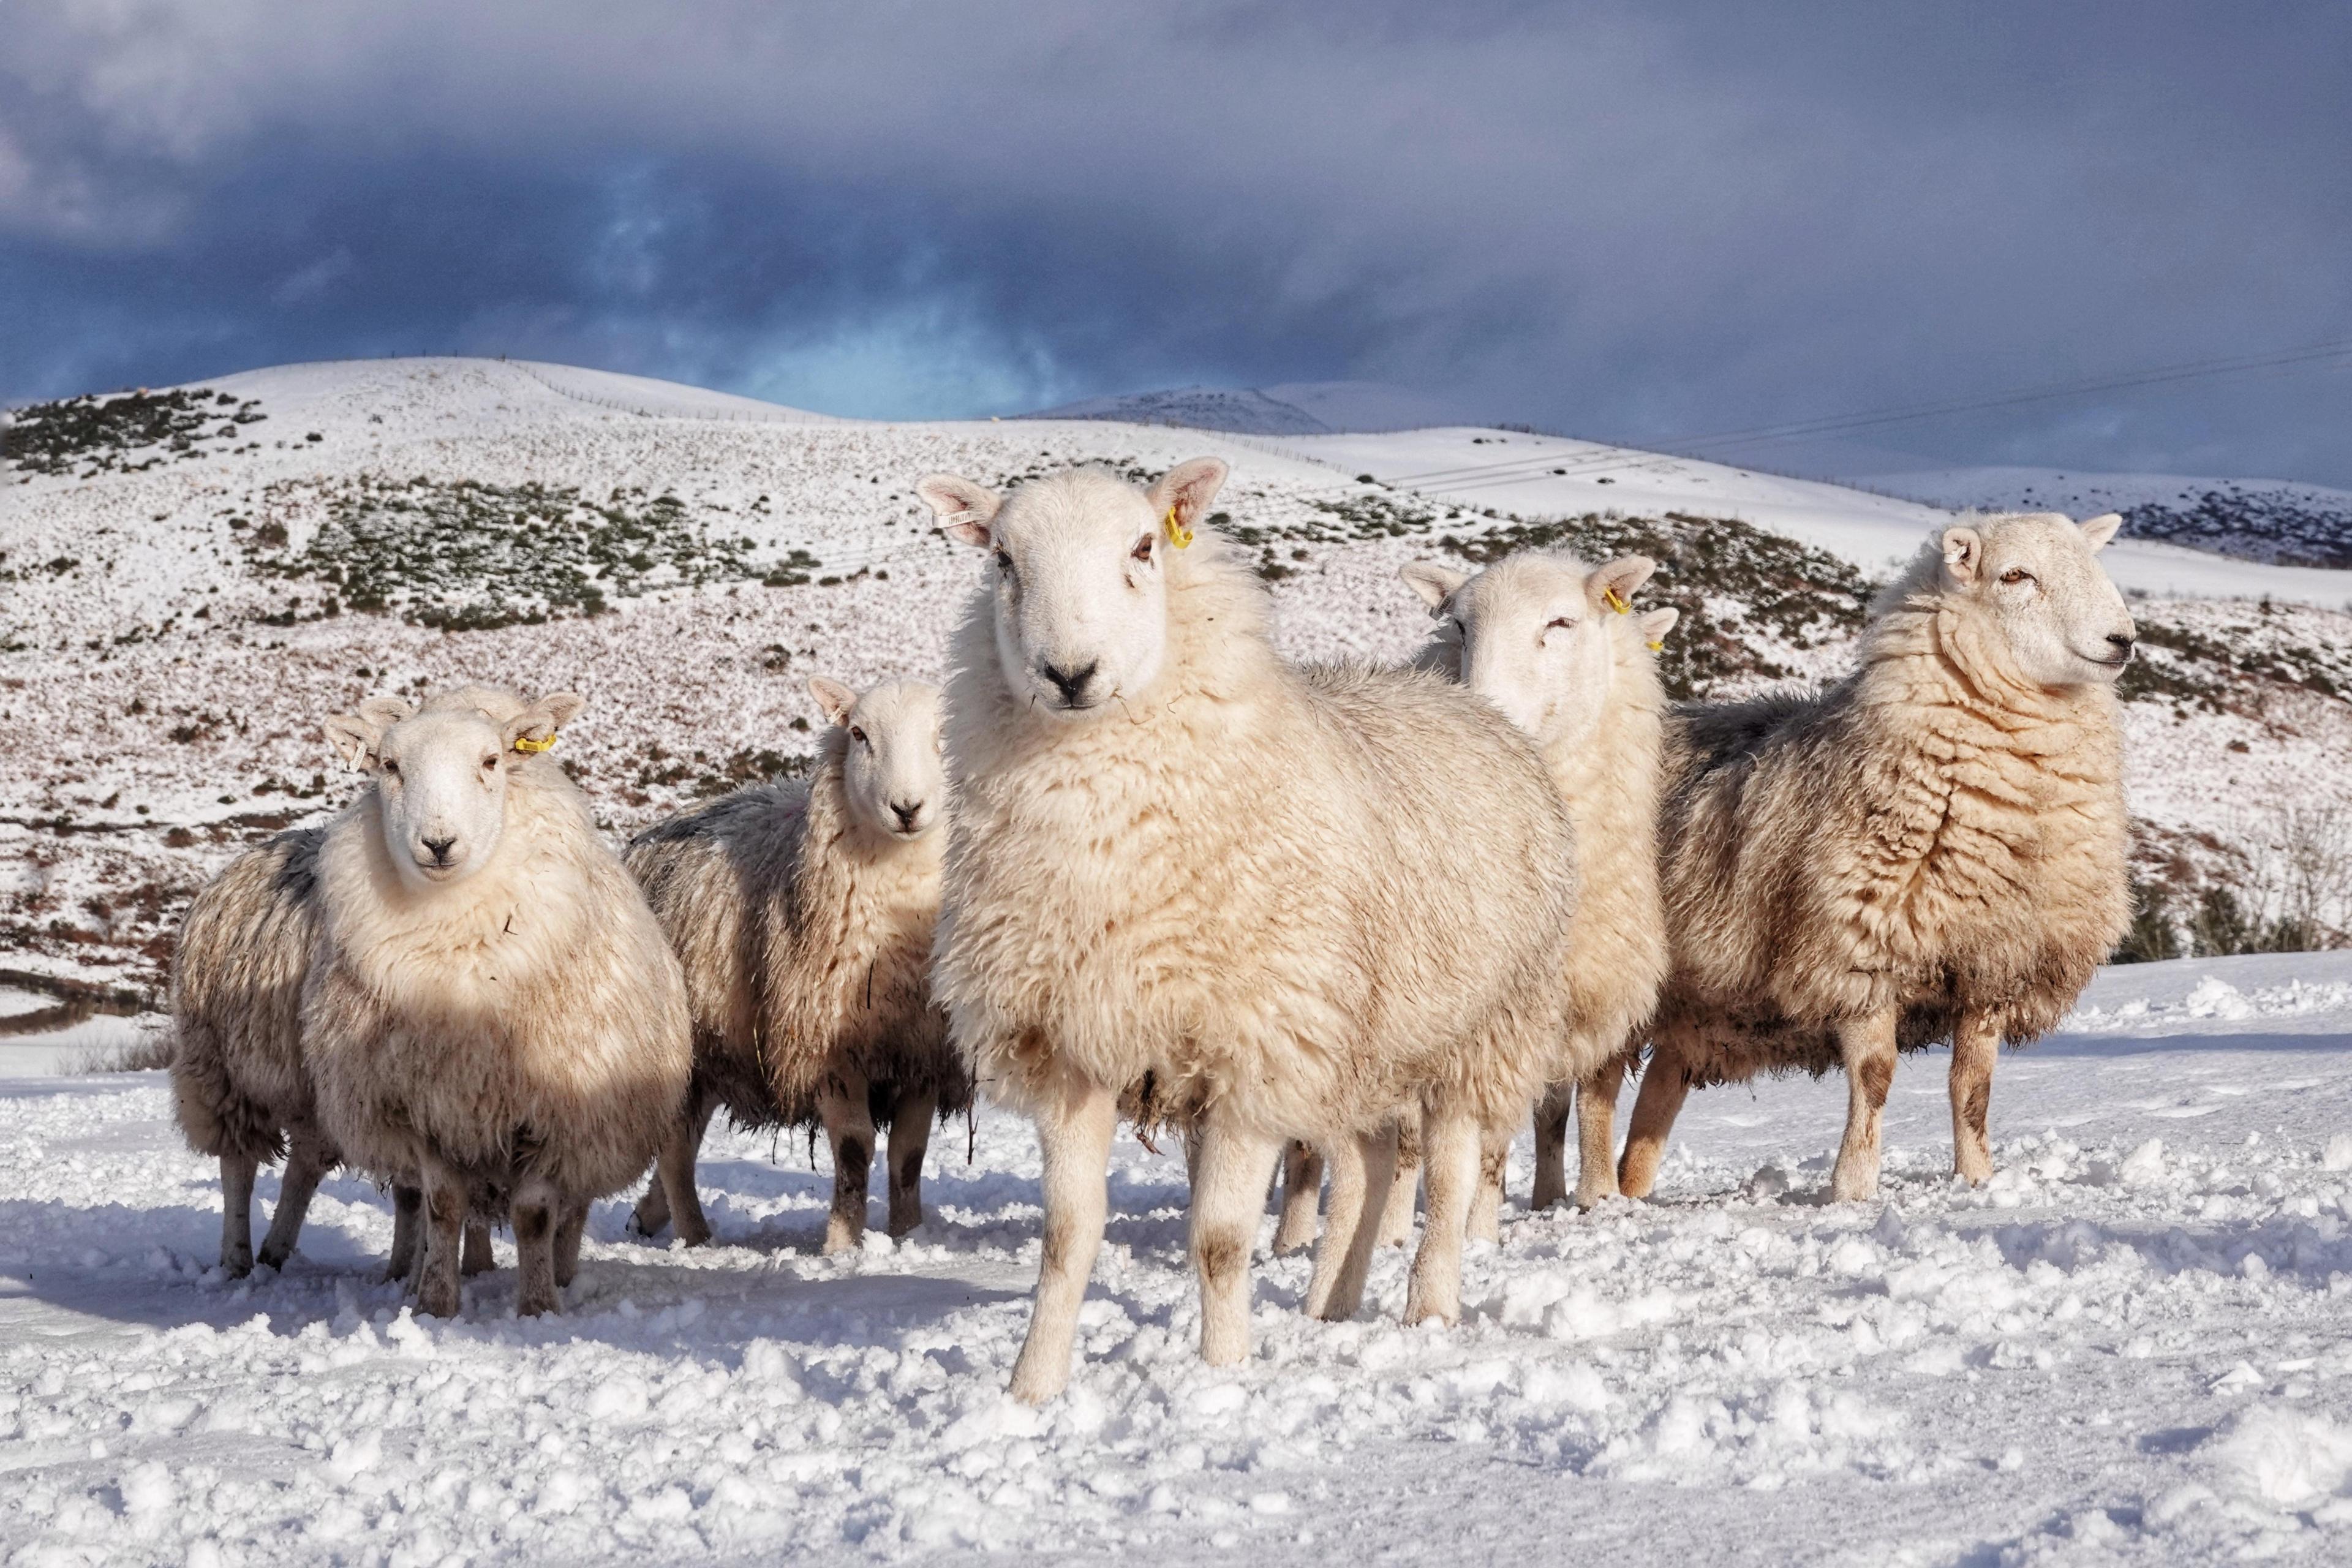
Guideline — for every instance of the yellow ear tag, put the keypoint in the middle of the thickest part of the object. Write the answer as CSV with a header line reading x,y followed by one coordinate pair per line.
x,y
1657,647
526,744
1615,601
1178,535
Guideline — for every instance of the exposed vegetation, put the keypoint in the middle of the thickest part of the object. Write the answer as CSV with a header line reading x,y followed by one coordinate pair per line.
x,y
464,556
99,433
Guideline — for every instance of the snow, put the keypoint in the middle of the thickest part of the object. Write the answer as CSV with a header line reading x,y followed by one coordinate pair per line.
x,y
2134,1345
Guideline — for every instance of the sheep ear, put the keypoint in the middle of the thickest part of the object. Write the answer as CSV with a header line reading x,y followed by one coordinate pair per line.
x,y
356,736
1963,554
1612,586
533,729
2097,531
964,509
1434,583
1183,493
1655,625
833,698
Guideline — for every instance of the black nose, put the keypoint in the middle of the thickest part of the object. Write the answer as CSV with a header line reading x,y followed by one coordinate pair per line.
x,y
440,847
1069,682
906,814
2121,643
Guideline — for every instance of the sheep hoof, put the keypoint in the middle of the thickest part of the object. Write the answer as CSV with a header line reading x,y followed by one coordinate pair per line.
x,y
236,1267
550,1307
1595,1197
276,1257
433,1302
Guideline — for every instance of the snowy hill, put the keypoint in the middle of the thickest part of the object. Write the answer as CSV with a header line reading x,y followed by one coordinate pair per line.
x,y
191,579
1293,408
2135,1346
2259,520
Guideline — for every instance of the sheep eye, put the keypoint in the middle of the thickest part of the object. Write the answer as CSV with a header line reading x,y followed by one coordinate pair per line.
x,y
2017,574
1563,624
1142,550
391,768
857,735
1005,562
489,765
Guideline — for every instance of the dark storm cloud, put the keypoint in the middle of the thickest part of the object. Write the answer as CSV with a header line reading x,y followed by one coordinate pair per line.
x,y
1646,222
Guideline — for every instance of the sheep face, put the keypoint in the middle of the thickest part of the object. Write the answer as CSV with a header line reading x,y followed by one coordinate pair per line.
x,y
2035,581
441,776
1538,634
892,768
1079,564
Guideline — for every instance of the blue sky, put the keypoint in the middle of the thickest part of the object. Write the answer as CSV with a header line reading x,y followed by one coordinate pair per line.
x,y
1645,223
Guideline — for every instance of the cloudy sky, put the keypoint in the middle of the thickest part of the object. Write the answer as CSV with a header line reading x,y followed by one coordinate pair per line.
x,y
1650,222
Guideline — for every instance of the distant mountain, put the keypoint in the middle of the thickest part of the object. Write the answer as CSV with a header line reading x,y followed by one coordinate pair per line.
x,y
1293,408
2274,520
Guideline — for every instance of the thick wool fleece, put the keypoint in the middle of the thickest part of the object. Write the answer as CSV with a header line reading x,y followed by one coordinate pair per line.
x,y
1929,835
1278,893
239,1080
1617,953
806,941
530,1020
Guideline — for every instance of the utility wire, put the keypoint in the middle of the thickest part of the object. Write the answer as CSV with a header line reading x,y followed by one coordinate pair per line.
x,y
1535,467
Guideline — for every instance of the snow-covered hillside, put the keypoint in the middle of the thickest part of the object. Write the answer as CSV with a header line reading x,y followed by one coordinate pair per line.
x,y
2134,1347
190,582
1292,408
2261,519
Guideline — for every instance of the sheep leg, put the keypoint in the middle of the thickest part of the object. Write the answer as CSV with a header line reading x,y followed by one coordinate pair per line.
x,y
1975,1046
568,1232
1486,1222
911,1136
408,1206
1450,1151
1664,1086
477,1257
1867,1045
1074,1137
1235,1166
1396,1210
437,1264
535,1207
237,1213
849,1126
1551,1147
308,1159
1596,1132
671,1195
1363,1169
1302,1192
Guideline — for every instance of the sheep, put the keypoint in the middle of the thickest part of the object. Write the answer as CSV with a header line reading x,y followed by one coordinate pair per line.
x,y
491,1007
804,917
1535,634
1932,848
1555,644
241,1083
240,1086
1268,891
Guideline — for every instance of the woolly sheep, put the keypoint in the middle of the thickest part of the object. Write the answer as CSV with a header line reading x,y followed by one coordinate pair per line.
x,y
240,1081
490,1004
1932,848
240,1086
1554,644
804,917
1271,892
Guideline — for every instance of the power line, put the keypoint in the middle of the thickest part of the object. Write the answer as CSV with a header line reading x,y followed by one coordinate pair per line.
x,y
1536,467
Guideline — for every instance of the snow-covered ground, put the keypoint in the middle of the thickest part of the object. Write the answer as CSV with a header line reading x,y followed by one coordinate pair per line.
x,y
2135,1346
2262,520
